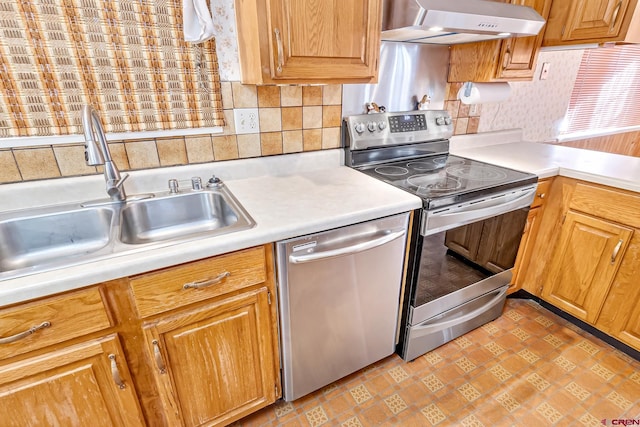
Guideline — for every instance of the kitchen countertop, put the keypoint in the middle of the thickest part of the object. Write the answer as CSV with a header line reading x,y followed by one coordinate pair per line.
x,y
287,196
546,160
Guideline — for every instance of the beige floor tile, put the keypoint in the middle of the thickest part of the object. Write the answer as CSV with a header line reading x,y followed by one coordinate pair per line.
x,y
437,391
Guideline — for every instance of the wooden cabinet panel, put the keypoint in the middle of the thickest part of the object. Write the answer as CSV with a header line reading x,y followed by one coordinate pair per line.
x,y
526,248
301,41
518,56
215,364
512,59
69,316
591,21
75,386
595,19
584,264
163,290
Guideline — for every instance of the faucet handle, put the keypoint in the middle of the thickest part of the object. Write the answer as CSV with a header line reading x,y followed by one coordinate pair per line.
x,y
121,180
173,186
196,183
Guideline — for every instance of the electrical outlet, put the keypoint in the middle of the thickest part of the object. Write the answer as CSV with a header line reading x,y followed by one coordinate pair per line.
x,y
246,120
544,72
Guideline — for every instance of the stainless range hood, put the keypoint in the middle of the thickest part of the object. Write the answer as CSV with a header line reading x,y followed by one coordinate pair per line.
x,y
456,21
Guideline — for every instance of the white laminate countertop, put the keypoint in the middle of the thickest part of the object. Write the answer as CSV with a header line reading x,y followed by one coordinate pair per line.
x,y
287,196
546,160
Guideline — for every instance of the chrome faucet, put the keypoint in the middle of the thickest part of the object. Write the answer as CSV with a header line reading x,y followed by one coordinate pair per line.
x,y
100,155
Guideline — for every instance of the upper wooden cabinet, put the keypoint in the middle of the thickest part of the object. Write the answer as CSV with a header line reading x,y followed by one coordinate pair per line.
x,y
499,60
308,41
592,21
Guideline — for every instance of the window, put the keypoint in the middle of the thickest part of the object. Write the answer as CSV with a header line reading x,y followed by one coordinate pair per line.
x,y
606,93
126,58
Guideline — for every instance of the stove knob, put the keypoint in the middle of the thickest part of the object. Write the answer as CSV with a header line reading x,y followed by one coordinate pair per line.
x,y
371,126
382,125
447,121
359,127
440,121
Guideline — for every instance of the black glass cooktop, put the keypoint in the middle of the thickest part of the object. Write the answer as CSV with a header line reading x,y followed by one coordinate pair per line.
x,y
448,179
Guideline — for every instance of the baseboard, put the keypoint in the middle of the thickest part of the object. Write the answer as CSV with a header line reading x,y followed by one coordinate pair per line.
x,y
619,345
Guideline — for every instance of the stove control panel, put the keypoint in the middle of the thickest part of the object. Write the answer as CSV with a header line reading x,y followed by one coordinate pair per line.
x,y
408,123
384,129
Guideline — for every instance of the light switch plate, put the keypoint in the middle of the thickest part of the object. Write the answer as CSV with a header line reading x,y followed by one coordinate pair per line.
x,y
246,120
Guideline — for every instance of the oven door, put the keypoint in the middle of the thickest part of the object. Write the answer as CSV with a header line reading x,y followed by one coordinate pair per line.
x,y
461,275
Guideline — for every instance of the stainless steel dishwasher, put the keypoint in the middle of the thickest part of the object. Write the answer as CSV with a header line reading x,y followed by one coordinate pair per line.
x,y
339,295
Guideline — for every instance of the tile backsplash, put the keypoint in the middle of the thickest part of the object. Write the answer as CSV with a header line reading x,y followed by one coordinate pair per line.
x,y
292,119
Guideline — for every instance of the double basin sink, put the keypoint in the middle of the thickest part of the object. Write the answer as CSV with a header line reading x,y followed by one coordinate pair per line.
x,y
57,236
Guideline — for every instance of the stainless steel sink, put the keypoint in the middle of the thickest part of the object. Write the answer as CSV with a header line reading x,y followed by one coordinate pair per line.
x,y
33,240
48,238
208,212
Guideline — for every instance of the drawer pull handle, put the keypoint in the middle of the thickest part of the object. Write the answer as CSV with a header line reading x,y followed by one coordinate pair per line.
x,y
115,373
614,255
208,282
614,17
158,356
16,337
280,50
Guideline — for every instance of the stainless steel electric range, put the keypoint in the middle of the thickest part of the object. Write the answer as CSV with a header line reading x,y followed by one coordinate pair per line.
x,y
468,230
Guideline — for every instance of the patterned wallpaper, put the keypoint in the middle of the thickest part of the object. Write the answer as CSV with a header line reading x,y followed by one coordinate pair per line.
x,y
538,106
224,22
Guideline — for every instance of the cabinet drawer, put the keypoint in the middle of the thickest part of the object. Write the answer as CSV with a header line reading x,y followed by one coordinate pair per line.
x,y
68,316
174,287
542,193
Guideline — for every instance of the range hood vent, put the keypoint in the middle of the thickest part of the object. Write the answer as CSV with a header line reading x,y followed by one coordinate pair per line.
x,y
456,21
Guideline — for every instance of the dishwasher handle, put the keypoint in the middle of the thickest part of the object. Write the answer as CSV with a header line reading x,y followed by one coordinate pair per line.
x,y
347,250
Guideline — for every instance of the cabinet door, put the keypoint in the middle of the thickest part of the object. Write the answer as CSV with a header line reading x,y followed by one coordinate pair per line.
x,y
518,55
73,386
525,249
584,264
215,363
324,39
595,19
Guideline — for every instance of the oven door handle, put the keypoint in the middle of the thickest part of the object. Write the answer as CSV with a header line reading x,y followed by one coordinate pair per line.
x,y
347,250
430,326
440,221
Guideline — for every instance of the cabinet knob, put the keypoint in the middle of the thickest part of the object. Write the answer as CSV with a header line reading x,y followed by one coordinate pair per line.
x,y
542,195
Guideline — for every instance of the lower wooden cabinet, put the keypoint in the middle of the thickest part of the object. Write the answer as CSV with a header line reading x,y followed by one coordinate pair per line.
x,y
189,345
526,248
214,364
86,384
584,264
586,257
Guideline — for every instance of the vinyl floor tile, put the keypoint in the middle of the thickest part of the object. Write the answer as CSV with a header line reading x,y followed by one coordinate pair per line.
x,y
527,368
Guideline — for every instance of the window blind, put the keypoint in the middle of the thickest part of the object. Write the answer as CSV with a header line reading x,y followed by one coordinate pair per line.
x,y
606,93
126,58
